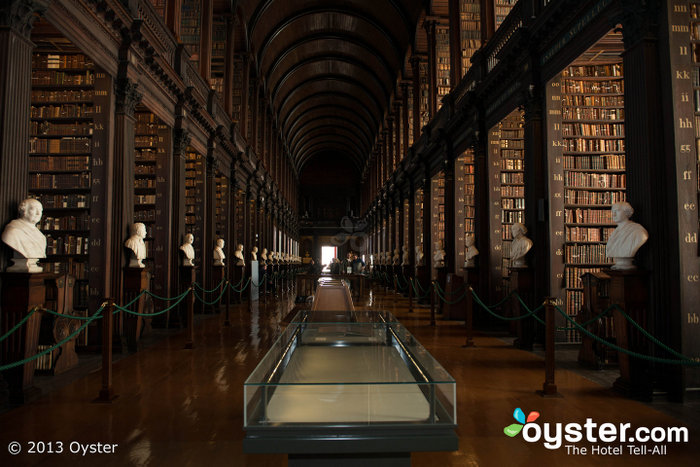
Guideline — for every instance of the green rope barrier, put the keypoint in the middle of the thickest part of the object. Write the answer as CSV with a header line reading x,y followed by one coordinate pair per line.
x,y
684,359
505,318
18,325
212,290
209,303
590,321
242,288
54,347
262,281
178,299
454,292
448,301
135,299
56,313
421,287
649,336
418,295
522,303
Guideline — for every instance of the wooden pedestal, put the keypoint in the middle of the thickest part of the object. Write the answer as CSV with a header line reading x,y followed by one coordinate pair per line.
x,y
238,272
422,283
521,281
59,298
454,311
442,281
135,280
20,293
218,275
629,290
593,354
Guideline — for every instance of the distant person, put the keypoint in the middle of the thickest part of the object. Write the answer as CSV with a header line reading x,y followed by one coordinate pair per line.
x,y
335,266
357,264
315,266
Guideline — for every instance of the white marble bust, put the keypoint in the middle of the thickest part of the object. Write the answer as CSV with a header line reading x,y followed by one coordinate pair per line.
x,y
136,245
419,255
626,239
254,254
471,252
519,246
404,255
263,255
438,256
238,254
396,259
188,250
219,255
22,235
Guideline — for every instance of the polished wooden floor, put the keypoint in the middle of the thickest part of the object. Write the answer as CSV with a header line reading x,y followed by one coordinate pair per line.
x,y
180,407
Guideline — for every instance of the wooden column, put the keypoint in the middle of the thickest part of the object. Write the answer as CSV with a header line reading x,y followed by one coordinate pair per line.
x,y
255,115
209,210
245,118
536,193
411,225
122,175
415,66
390,150
481,199
488,20
404,116
229,64
399,147
430,26
173,16
651,162
205,32
456,71
16,19
450,237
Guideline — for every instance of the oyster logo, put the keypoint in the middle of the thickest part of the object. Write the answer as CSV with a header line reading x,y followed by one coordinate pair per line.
x,y
515,428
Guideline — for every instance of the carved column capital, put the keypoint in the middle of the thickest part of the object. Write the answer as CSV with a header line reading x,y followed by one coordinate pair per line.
x,y
127,96
181,140
19,15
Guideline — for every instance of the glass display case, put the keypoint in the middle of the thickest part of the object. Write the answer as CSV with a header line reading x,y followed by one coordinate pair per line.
x,y
349,382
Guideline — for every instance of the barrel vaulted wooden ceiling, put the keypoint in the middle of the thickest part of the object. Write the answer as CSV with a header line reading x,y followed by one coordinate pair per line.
x,y
330,67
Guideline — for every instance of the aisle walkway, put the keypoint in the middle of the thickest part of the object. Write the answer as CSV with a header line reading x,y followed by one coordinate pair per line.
x,y
181,407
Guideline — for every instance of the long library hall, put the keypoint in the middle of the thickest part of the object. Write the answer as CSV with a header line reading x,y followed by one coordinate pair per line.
x,y
313,232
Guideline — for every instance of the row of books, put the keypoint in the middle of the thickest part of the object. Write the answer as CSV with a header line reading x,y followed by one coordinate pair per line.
x,y
588,234
510,217
78,269
145,169
594,145
513,203
594,101
145,155
144,183
54,181
596,162
511,191
597,87
513,144
67,163
63,95
147,140
572,276
590,129
512,177
512,164
593,113
593,197
145,199
512,154
81,222
58,61
602,70
62,78
589,216
586,254
62,111
598,180
65,201
67,245
45,128
65,145
146,215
